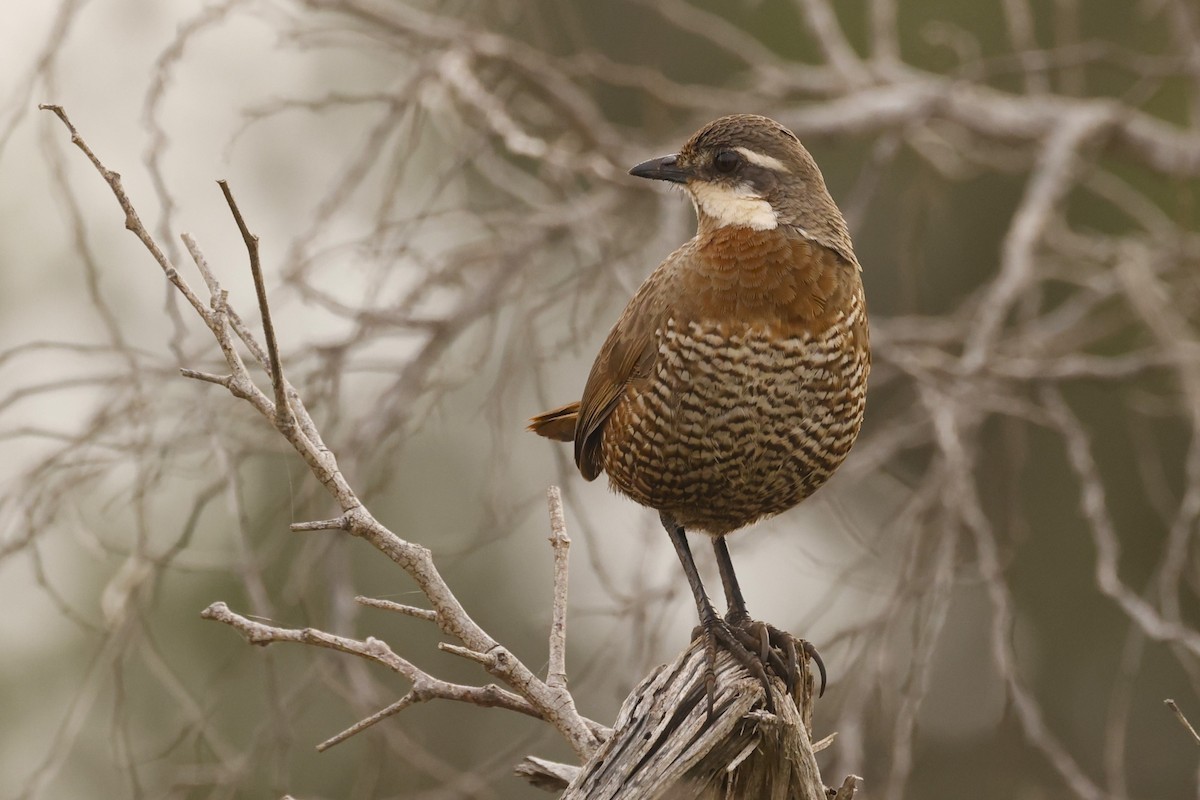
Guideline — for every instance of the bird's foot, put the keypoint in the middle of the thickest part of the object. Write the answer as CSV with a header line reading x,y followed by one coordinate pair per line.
x,y
718,632
777,650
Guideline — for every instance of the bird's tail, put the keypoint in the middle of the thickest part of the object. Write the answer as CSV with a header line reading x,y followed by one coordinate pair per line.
x,y
557,423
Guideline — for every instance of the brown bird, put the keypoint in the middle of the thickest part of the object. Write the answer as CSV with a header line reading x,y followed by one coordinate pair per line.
x,y
734,383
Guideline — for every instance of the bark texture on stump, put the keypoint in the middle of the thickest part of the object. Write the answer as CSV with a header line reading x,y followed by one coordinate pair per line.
x,y
664,747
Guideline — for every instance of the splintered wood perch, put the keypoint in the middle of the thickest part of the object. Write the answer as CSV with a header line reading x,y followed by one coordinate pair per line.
x,y
665,747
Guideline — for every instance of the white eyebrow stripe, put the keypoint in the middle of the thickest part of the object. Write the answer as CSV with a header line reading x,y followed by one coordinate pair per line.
x,y
761,159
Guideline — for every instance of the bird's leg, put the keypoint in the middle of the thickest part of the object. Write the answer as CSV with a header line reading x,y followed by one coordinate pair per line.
x,y
716,630
733,593
755,636
776,648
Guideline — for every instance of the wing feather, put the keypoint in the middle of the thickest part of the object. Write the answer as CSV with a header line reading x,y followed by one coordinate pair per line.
x,y
628,355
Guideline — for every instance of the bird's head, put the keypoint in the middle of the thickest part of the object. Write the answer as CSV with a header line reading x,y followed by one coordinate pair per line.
x,y
750,171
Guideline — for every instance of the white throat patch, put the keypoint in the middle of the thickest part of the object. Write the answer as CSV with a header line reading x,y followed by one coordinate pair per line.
x,y
734,206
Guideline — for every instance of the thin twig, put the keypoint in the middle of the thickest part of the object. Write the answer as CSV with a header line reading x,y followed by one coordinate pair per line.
x,y
556,675
425,686
1171,704
336,524
360,726
285,420
133,222
486,659
399,608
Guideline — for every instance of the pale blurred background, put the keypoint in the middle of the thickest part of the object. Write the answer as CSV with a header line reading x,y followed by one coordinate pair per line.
x,y
1003,580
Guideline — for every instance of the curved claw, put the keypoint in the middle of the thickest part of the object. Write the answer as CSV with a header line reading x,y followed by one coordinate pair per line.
x,y
777,650
783,642
811,653
793,665
756,637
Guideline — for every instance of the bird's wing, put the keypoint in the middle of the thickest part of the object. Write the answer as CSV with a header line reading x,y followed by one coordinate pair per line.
x,y
627,355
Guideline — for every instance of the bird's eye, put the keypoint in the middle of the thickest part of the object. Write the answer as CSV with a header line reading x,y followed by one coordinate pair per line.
x,y
726,161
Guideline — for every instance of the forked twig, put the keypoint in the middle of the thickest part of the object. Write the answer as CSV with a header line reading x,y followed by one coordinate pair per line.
x,y
285,420
287,414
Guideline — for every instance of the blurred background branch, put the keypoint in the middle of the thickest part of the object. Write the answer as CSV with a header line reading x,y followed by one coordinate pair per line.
x,y
1003,580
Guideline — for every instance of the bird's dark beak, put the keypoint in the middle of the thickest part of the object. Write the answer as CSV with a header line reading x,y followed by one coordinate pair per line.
x,y
662,169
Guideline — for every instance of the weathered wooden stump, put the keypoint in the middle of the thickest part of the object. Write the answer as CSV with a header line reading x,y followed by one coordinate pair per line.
x,y
664,746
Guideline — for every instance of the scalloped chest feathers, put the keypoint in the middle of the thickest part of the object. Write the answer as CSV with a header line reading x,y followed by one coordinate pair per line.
x,y
743,415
